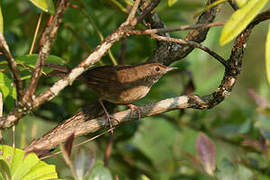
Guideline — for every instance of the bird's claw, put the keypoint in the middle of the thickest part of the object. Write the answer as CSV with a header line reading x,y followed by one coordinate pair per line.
x,y
133,108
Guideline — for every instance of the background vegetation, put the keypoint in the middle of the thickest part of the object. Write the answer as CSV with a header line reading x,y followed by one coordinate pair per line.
x,y
163,146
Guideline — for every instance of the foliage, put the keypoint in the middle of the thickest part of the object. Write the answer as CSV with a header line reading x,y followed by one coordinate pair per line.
x,y
228,142
15,164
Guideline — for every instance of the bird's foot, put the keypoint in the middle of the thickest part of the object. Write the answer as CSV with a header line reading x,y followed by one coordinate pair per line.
x,y
109,117
134,108
109,121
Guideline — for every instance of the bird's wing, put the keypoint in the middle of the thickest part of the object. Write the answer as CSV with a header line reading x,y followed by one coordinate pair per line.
x,y
106,76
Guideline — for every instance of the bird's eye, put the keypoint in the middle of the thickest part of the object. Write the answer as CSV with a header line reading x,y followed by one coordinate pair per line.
x,y
157,69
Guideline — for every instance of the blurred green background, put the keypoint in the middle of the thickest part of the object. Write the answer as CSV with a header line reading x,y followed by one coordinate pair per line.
x,y
160,147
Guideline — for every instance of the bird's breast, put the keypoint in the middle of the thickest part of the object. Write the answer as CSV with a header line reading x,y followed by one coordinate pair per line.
x,y
127,96
133,94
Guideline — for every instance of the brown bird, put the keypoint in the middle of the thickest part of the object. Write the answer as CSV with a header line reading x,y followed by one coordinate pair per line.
x,y
121,84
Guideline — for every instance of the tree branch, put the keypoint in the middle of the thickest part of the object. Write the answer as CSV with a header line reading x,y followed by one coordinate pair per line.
x,y
13,67
168,52
53,91
173,29
85,121
192,44
49,38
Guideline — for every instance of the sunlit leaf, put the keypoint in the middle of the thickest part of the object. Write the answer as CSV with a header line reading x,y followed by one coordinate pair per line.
x,y
1,21
25,166
241,3
44,5
207,152
240,19
267,55
171,2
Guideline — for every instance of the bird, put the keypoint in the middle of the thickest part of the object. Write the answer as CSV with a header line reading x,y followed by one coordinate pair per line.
x,y
119,84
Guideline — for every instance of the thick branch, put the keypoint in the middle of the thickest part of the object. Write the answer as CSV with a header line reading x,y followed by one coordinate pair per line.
x,y
168,52
49,38
13,67
95,56
84,122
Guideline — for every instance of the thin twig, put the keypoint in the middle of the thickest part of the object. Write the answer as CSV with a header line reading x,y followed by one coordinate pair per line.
x,y
35,34
193,44
80,144
168,52
100,35
13,67
173,29
49,35
132,13
148,9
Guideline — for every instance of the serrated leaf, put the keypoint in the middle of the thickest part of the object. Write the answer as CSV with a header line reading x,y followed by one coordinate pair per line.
x,y
241,3
207,153
1,21
240,19
8,91
267,55
44,5
171,2
26,166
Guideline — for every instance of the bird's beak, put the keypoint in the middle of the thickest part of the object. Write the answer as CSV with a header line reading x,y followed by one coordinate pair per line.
x,y
171,68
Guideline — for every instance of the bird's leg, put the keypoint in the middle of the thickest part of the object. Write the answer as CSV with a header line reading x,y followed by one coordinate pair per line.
x,y
133,108
109,117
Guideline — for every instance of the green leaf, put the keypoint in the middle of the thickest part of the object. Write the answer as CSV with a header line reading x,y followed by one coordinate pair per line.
x,y
267,55
1,21
100,172
27,63
23,166
44,5
240,19
241,3
8,91
171,2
